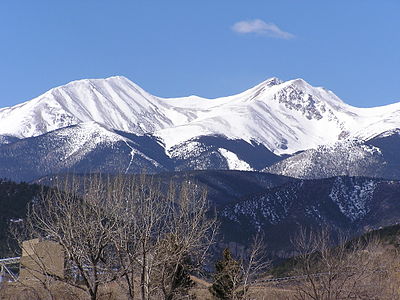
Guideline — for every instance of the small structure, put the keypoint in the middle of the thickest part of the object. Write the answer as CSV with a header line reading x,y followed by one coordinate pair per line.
x,y
5,271
41,259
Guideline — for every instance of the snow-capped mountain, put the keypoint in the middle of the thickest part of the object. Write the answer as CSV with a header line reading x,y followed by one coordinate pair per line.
x,y
247,131
287,128
284,116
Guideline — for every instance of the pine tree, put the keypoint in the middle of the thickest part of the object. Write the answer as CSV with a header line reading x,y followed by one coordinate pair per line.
x,y
181,283
227,277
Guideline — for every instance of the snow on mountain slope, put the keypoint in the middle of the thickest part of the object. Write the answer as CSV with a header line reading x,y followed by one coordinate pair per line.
x,y
374,121
343,204
377,157
84,137
114,102
82,148
351,158
79,140
234,163
285,117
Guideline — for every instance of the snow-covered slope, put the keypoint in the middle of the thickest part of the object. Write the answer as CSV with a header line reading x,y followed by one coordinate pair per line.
x,y
377,157
114,102
82,148
285,117
351,158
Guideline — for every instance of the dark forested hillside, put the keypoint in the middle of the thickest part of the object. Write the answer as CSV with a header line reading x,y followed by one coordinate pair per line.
x,y
352,205
251,202
13,200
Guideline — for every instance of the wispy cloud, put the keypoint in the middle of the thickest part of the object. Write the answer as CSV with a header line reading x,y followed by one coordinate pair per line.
x,y
260,27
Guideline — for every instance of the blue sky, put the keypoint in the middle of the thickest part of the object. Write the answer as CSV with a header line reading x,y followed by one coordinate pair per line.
x,y
209,48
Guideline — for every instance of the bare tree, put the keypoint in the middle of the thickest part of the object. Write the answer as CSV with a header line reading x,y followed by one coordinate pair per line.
x,y
188,235
254,264
341,269
163,237
125,229
79,217
140,213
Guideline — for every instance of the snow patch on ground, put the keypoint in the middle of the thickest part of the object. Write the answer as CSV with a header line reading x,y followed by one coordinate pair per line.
x,y
233,161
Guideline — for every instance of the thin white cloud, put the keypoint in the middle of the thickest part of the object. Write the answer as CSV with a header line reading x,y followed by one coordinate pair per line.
x,y
260,27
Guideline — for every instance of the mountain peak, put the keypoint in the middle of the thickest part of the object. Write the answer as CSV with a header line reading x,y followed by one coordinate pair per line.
x,y
299,83
98,81
117,77
272,81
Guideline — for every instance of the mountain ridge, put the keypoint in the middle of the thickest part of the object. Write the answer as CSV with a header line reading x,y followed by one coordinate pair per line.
x,y
285,117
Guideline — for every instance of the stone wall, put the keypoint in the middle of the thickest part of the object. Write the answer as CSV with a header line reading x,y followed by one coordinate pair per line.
x,y
41,257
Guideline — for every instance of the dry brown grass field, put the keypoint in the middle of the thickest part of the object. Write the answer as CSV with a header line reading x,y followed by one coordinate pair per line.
x,y
34,291
270,291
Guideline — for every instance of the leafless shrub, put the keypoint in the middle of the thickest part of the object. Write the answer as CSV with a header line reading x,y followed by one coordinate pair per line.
x,y
358,269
